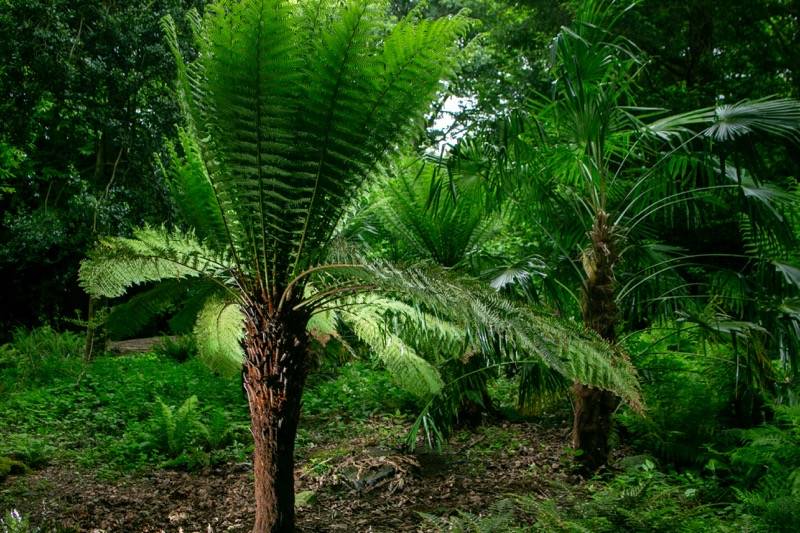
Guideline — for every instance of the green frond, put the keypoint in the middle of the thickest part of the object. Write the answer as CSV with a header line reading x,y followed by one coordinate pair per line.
x,y
425,330
289,108
219,332
494,325
389,329
128,318
193,193
185,317
790,273
449,228
539,388
367,102
774,116
153,254
409,369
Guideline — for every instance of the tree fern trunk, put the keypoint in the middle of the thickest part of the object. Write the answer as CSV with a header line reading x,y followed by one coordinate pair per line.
x,y
274,374
594,407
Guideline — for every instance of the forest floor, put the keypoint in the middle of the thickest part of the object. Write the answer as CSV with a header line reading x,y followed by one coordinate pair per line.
x,y
156,442
96,457
357,484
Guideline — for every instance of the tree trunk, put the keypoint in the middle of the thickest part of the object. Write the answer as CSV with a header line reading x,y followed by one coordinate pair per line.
x,y
592,425
594,407
274,374
88,347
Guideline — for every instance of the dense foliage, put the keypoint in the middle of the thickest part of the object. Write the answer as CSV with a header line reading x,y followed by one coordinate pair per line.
x,y
449,217
86,104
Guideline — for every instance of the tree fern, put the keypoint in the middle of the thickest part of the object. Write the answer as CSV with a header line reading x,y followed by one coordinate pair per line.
x,y
289,107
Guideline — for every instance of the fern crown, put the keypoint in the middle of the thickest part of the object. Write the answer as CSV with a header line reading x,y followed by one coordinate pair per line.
x,y
289,107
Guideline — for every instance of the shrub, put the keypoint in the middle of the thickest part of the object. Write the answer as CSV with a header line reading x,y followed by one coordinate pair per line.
x,y
766,468
40,356
687,393
9,466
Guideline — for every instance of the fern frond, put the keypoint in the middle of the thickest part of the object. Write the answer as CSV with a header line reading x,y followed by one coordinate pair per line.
x,y
495,325
219,332
289,108
183,321
364,101
451,231
193,192
153,254
127,319
539,388
408,368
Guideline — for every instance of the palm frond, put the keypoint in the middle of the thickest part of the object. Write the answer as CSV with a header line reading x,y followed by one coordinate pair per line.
x,y
779,117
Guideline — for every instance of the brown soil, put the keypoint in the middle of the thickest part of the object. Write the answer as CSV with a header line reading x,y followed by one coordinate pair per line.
x,y
358,486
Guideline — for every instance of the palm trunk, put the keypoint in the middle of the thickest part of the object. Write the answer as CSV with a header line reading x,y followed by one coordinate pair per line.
x,y
594,407
274,374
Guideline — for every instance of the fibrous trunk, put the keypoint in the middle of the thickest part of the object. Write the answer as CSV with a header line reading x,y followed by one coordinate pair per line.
x,y
274,374
594,407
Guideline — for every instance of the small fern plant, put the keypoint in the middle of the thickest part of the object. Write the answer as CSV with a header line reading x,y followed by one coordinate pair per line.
x,y
176,429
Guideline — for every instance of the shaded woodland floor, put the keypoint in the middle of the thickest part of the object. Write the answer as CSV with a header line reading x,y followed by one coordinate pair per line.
x,y
148,443
350,485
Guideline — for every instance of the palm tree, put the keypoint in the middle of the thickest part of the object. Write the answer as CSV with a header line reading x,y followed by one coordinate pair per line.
x,y
624,176
592,173
289,107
